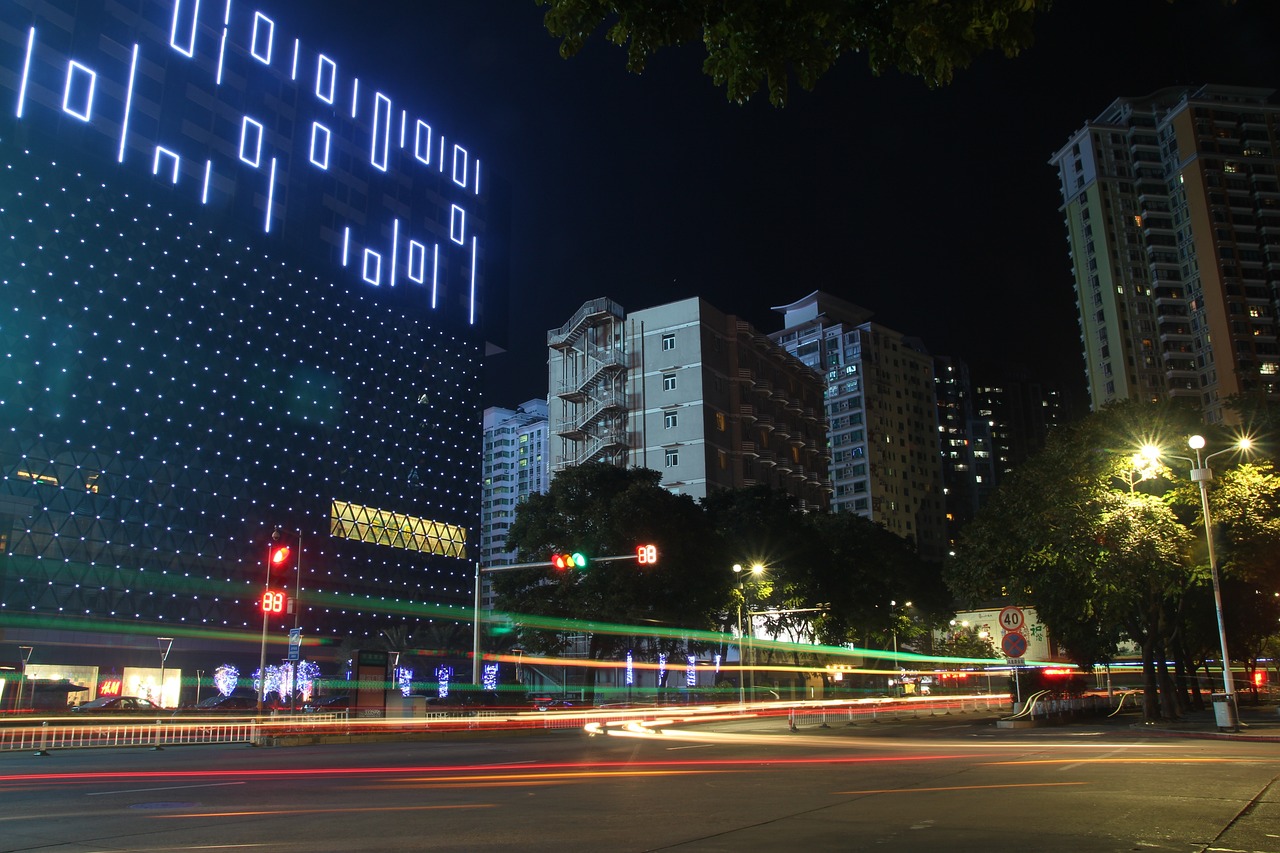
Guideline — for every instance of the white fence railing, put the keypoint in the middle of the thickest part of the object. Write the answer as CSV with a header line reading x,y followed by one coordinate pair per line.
x,y
43,736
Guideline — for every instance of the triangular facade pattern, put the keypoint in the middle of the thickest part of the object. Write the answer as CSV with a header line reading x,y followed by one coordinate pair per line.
x,y
366,524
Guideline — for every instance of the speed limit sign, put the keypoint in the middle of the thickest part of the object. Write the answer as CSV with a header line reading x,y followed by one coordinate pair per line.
x,y
1011,619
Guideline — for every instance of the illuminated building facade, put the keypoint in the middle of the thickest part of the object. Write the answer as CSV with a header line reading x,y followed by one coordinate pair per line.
x,y
1171,205
242,290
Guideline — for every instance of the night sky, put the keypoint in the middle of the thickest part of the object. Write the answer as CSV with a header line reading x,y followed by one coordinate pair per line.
x,y
937,210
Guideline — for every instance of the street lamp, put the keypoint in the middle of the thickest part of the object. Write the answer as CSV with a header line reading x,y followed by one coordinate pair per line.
x,y
166,643
26,658
756,570
893,628
1202,474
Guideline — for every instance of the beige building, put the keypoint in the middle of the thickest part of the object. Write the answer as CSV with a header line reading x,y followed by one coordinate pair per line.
x,y
882,412
1172,211
689,391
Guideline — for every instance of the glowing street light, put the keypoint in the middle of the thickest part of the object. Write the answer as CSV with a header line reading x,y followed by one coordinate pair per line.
x,y
1202,474
756,570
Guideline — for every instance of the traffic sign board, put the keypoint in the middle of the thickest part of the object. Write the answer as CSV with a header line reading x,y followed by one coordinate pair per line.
x,y
295,640
1012,619
1014,645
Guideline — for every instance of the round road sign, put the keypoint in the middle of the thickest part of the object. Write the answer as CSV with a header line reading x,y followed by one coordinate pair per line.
x,y
1012,619
1013,645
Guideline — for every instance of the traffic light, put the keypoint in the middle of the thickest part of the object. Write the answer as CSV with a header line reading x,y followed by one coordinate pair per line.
x,y
279,559
273,601
647,555
576,560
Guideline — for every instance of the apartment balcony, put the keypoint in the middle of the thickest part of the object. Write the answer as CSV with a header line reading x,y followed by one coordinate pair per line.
x,y
747,412
746,375
766,422
747,448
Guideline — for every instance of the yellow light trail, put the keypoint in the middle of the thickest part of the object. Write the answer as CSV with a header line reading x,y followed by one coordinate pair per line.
x,y
960,788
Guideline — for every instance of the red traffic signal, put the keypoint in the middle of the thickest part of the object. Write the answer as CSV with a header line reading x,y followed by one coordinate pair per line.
x,y
575,560
647,555
279,556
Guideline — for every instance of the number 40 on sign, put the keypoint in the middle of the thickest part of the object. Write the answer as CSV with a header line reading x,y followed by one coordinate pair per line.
x,y
1012,619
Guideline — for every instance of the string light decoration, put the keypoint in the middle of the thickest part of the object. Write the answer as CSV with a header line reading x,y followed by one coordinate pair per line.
x,y
225,679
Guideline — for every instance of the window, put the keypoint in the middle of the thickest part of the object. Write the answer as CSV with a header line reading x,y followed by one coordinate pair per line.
x,y
673,458
668,342
668,382
720,421
669,420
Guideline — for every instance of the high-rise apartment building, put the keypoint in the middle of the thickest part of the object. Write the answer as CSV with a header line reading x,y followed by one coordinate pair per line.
x,y
689,391
515,465
882,413
1172,206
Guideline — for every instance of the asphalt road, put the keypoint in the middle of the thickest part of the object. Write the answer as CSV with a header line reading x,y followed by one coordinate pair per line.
x,y
949,785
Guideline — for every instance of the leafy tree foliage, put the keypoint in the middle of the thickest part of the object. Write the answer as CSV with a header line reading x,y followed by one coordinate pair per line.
x,y
602,510
1108,549
755,44
838,572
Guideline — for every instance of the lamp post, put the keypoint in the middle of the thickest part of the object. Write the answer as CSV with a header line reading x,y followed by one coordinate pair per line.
x,y
1202,474
166,643
756,570
893,628
297,611
26,658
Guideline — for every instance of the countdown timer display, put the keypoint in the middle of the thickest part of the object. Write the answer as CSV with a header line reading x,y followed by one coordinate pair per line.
x,y
218,102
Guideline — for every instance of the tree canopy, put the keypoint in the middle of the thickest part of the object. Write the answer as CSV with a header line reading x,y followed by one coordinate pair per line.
x,y
836,576
762,44
1109,547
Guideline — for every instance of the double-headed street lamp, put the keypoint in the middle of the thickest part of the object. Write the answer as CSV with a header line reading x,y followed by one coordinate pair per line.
x,y
1202,474
756,570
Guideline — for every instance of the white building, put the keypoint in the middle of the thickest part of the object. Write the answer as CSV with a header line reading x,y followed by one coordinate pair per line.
x,y
689,391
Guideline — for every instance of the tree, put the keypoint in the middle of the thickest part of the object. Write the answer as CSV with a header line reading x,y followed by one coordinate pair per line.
x,y
602,510
755,44
1099,558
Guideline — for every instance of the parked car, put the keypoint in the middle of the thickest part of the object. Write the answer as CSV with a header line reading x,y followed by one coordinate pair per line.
x,y
242,700
340,702
118,705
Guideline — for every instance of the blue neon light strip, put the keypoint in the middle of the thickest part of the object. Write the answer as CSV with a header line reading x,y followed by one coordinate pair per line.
x,y
462,182
321,62
271,38
293,69
226,14
377,267
477,184
355,95
26,70
395,250
346,244
381,119
190,50
271,194
128,104
475,258
165,152
417,271
222,55
458,225
435,272
72,67
208,172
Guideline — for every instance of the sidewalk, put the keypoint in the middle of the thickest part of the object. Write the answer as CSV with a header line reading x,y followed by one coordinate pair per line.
x,y
1257,723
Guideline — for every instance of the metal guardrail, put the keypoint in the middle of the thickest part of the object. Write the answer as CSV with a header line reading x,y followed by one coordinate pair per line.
x,y
875,711
43,736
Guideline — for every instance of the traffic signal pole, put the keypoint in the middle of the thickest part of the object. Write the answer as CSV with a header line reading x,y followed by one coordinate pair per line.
x,y
541,564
